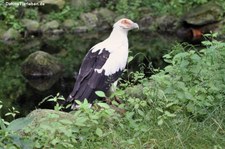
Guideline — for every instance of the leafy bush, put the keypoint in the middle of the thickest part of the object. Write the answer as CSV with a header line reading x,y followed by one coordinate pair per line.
x,y
194,80
159,116
10,15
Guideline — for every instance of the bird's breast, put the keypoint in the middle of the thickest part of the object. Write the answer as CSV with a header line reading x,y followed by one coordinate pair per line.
x,y
116,61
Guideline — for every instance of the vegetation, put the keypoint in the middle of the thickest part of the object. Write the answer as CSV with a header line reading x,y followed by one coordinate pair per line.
x,y
181,106
132,9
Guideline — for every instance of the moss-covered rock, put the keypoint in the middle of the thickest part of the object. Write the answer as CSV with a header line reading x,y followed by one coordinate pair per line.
x,y
41,64
204,14
105,15
38,118
69,23
81,4
90,20
11,34
52,5
50,26
31,25
42,116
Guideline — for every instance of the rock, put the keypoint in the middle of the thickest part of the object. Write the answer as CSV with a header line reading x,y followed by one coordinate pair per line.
x,y
200,20
50,26
69,23
90,20
204,14
11,34
31,25
80,4
41,64
81,29
44,84
105,15
37,118
146,22
39,114
166,24
51,5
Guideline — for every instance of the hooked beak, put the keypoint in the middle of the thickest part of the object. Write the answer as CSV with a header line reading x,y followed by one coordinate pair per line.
x,y
135,25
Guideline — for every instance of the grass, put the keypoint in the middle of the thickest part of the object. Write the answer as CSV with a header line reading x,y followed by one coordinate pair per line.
x,y
182,132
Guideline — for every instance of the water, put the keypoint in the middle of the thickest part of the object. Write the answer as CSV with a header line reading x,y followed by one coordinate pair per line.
x,y
146,48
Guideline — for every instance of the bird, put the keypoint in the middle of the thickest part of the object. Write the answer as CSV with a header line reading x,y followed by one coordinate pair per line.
x,y
103,64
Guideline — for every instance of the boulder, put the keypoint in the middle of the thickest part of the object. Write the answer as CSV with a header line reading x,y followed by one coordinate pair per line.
x,y
31,25
106,17
51,5
90,20
81,4
204,14
39,117
199,21
50,26
166,24
40,114
146,22
41,64
69,23
80,29
11,34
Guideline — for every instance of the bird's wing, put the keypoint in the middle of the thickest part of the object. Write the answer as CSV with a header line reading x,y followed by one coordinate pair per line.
x,y
88,80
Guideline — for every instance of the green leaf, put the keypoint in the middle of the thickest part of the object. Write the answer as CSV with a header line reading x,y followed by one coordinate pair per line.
x,y
100,94
2,125
104,105
99,132
130,58
80,121
167,113
65,121
160,122
159,109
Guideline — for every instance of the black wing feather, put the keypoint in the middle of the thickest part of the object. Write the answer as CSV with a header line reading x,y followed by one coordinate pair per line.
x,y
88,80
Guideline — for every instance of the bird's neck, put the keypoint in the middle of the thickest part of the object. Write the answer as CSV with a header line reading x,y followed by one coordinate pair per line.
x,y
118,35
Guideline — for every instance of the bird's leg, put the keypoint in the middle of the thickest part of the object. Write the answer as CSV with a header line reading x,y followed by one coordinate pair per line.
x,y
108,101
117,100
119,110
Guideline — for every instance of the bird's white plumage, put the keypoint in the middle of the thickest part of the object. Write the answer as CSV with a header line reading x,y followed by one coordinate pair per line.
x,y
118,51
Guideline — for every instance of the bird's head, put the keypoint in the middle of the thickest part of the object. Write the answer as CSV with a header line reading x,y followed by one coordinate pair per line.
x,y
126,24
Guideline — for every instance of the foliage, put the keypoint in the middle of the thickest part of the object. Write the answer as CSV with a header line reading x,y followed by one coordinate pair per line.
x,y
32,13
13,87
9,138
55,99
67,12
11,81
128,8
132,8
194,81
162,117
10,15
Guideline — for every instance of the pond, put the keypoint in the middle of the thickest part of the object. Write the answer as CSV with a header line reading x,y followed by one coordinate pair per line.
x,y
25,95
